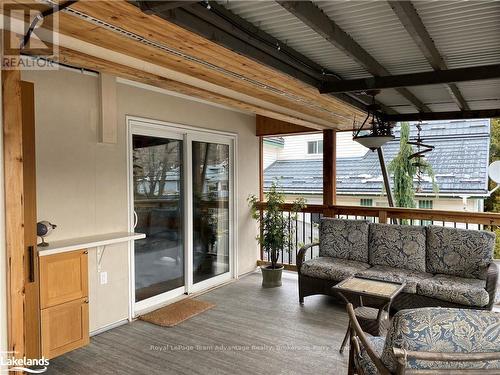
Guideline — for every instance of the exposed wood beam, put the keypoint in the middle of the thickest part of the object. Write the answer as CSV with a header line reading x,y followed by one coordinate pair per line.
x,y
266,126
475,73
78,59
235,33
453,115
412,22
120,32
312,16
230,22
14,209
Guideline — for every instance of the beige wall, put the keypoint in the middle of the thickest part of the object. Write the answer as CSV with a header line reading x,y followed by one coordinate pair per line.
x,y
82,184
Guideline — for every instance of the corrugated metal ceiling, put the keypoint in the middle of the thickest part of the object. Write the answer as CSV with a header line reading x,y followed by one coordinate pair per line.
x,y
467,33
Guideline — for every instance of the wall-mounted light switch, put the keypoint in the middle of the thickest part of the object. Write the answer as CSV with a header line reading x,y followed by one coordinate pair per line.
x,y
103,277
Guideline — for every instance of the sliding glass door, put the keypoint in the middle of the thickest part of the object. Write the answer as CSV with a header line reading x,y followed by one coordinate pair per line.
x,y
158,205
182,199
211,192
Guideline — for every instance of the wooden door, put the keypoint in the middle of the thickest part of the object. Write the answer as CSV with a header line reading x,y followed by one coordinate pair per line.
x,y
31,274
63,278
65,327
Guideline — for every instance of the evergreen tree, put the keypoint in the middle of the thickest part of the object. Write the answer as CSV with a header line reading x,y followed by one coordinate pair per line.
x,y
403,171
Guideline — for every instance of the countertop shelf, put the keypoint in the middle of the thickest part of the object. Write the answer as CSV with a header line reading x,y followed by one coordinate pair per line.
x,y
71,244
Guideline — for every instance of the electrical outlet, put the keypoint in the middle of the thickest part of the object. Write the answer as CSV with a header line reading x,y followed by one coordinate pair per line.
x,y
103,277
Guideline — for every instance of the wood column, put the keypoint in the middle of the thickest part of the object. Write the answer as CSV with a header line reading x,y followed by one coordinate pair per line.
x,y
31,283
261,168
14,208
329,167
261,188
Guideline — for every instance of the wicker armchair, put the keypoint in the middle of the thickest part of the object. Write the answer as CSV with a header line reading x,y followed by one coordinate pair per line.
x,y
471,336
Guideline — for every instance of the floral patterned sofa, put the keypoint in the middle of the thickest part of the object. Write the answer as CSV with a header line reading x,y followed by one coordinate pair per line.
x,y
441,266
432,338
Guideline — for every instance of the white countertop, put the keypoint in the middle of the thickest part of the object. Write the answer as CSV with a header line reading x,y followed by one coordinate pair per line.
x,y
71,244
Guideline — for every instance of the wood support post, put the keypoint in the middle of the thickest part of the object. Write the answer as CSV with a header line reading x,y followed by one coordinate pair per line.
x,y
261,187
329,167
14,208
261,169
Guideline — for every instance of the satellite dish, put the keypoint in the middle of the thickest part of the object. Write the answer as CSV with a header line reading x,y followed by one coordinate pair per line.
x,y
494,171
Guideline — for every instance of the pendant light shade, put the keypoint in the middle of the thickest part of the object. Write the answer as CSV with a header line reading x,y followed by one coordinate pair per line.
x,y
374,132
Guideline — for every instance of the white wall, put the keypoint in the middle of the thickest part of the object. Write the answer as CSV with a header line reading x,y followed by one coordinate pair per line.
x,y
270,154
82,184
296,146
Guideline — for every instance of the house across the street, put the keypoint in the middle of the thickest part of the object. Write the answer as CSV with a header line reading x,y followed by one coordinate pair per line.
x,y
460,162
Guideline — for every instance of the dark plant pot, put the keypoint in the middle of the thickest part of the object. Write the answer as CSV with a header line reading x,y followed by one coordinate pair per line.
x,y
271,277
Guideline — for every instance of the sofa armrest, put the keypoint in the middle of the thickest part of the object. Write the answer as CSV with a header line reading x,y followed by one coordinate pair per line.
x,y
491,283
302,253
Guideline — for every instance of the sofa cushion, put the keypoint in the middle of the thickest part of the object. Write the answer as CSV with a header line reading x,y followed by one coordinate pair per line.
x,y
443,330
346,239
399,246
398,275
332,268
469,292
365,361
459,252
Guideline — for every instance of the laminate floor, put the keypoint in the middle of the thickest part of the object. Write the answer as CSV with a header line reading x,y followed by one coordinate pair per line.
x,y
250,331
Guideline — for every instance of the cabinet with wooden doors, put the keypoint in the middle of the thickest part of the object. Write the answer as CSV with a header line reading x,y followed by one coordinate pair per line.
x,y
64,302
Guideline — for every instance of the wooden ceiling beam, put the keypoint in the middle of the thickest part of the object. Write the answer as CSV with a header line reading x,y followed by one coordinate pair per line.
x,y
225,28
412,22
318,21
81,60
475,73
125,35
265,126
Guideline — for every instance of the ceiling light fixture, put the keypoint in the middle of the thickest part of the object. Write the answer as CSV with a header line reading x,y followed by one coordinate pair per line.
x,y
374,132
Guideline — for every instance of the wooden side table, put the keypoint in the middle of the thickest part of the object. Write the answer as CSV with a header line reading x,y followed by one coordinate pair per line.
x,y
373,316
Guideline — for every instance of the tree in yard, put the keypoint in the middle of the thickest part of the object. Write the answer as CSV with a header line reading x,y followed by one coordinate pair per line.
x,y
404,172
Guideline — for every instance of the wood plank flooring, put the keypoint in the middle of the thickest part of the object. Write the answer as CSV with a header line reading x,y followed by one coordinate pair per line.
x,y
250,331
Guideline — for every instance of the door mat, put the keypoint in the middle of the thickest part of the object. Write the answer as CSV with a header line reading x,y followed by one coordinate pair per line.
x,y
171,315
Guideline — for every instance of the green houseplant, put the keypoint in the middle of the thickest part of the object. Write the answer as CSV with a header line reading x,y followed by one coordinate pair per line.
x,y
275,230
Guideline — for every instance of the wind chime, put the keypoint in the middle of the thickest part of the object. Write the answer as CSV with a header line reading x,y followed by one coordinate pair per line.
x,y
418,156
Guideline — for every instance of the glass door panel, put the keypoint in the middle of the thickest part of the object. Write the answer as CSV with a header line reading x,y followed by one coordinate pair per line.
x,y
158,204
211,163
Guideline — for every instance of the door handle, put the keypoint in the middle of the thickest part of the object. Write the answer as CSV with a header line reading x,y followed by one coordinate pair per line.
x,y
136,219
31,264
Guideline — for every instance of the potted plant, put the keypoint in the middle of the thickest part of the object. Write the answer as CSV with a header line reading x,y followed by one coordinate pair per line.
x,y
275,232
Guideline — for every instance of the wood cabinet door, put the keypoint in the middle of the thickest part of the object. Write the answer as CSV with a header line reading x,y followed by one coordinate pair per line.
x,y
63,278
65,327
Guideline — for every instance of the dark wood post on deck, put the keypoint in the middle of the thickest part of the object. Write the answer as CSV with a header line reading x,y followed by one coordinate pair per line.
x,y
329,169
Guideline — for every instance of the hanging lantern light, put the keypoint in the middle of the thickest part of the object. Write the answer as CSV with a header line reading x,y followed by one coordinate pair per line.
x,y
374,132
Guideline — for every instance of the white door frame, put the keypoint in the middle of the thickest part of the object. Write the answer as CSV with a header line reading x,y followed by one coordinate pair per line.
x,y
148,127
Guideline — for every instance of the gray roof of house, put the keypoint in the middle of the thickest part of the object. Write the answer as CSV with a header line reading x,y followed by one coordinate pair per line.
x,y
460,162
